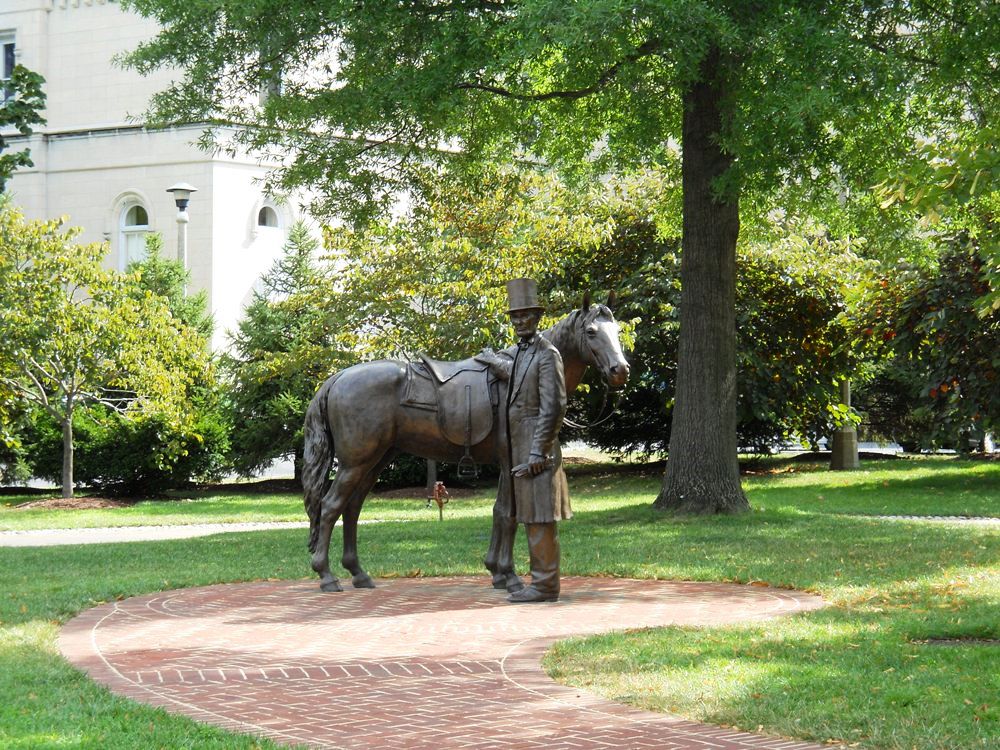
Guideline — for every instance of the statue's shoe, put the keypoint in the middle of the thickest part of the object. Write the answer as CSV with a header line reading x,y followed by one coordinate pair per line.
x,y
530,594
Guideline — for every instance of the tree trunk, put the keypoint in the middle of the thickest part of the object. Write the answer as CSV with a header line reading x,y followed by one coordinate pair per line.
x,y
67,464
298,460
702,474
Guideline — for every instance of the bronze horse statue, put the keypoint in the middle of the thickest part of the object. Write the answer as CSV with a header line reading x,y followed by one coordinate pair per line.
x,y
365,415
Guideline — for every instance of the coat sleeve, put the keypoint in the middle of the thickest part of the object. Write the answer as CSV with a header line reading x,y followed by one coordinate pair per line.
x,y
551,402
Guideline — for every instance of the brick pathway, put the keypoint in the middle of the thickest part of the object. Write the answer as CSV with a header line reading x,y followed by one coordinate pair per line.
x,y
414,664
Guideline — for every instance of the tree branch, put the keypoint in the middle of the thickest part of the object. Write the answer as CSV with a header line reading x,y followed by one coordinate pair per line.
x,y
37,365
647,48
19,387
439,11
908,56
372,145
41,397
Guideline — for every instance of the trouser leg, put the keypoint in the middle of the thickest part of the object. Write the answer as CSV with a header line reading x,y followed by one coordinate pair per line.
x,y
543,550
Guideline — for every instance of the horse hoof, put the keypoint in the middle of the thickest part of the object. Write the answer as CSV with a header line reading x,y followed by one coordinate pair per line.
x,y
499,581
333,585
363,581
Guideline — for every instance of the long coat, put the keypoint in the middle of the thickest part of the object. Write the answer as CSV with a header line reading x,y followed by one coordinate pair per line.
x,y
530,418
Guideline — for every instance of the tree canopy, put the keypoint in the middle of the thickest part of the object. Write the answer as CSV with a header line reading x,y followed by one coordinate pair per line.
x,y
433,282
755,95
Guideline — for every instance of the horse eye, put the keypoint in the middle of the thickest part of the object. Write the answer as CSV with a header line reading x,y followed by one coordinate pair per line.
x,y
591,332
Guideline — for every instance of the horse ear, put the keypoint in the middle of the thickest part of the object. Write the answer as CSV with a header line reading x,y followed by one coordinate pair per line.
x,y
612,300
586,301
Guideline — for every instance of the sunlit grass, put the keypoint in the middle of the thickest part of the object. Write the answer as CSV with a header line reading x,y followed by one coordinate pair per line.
x,y
218,507
840,674
916,486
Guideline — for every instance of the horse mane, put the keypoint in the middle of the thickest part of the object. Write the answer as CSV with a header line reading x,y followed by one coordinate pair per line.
x,y
568,334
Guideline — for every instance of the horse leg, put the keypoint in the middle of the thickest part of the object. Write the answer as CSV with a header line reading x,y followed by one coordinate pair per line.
x,y
359,577
349,560
332,506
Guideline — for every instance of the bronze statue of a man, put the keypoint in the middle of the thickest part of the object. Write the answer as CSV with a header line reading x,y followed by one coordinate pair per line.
x,y
532,481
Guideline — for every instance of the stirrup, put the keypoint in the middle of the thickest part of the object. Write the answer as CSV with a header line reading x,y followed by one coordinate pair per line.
x,y
467,468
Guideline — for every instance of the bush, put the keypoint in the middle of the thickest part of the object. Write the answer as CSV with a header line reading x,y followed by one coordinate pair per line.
x,y
940,385
131,457
892,410
14,461
794,342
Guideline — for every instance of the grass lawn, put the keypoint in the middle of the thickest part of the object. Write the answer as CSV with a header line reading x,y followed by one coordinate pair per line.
x,y
859,671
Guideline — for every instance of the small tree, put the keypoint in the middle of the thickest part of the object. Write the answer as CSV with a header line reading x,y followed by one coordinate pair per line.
x,y
169,279
22,109
280,354
76,333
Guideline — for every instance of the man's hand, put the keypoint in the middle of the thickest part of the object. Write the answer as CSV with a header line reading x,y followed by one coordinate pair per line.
x,y
536,464
498,365
487,356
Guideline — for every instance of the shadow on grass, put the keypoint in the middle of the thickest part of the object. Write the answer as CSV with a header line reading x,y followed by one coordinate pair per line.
x,y
811,552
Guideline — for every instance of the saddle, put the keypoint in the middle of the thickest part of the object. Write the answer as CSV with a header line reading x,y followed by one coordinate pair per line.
x,y
464,394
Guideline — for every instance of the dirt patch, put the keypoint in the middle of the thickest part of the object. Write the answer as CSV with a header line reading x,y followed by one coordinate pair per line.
x,y
74,503
963,641
253,486
578,460
825,456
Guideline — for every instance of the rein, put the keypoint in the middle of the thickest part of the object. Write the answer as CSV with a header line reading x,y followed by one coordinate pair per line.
x,y
601,420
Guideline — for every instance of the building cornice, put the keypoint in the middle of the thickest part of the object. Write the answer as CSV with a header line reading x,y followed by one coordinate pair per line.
x,y
66,4
100,132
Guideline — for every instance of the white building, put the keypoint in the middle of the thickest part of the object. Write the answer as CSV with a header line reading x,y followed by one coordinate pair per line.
x,y
97,165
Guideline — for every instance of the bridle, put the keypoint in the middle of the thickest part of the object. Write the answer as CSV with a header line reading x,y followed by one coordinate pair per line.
x,y
607,390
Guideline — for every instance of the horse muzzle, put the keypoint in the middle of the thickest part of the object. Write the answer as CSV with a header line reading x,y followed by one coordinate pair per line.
x,y
617,375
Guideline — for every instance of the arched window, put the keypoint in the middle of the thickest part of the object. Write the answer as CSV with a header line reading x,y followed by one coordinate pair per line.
x,y
134,228
267,217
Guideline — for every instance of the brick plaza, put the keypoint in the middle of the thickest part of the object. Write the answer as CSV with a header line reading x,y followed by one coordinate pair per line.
x,y
413,664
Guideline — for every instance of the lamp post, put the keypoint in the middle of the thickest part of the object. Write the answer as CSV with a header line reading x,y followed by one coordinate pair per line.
x,y
182,194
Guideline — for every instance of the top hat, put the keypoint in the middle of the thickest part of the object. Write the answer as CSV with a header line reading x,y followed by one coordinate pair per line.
x,y
523,295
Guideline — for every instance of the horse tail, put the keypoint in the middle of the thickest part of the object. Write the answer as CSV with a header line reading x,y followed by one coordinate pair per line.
x,y
317,459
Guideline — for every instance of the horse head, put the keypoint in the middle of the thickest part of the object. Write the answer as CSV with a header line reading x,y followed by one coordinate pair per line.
x,y
600,342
